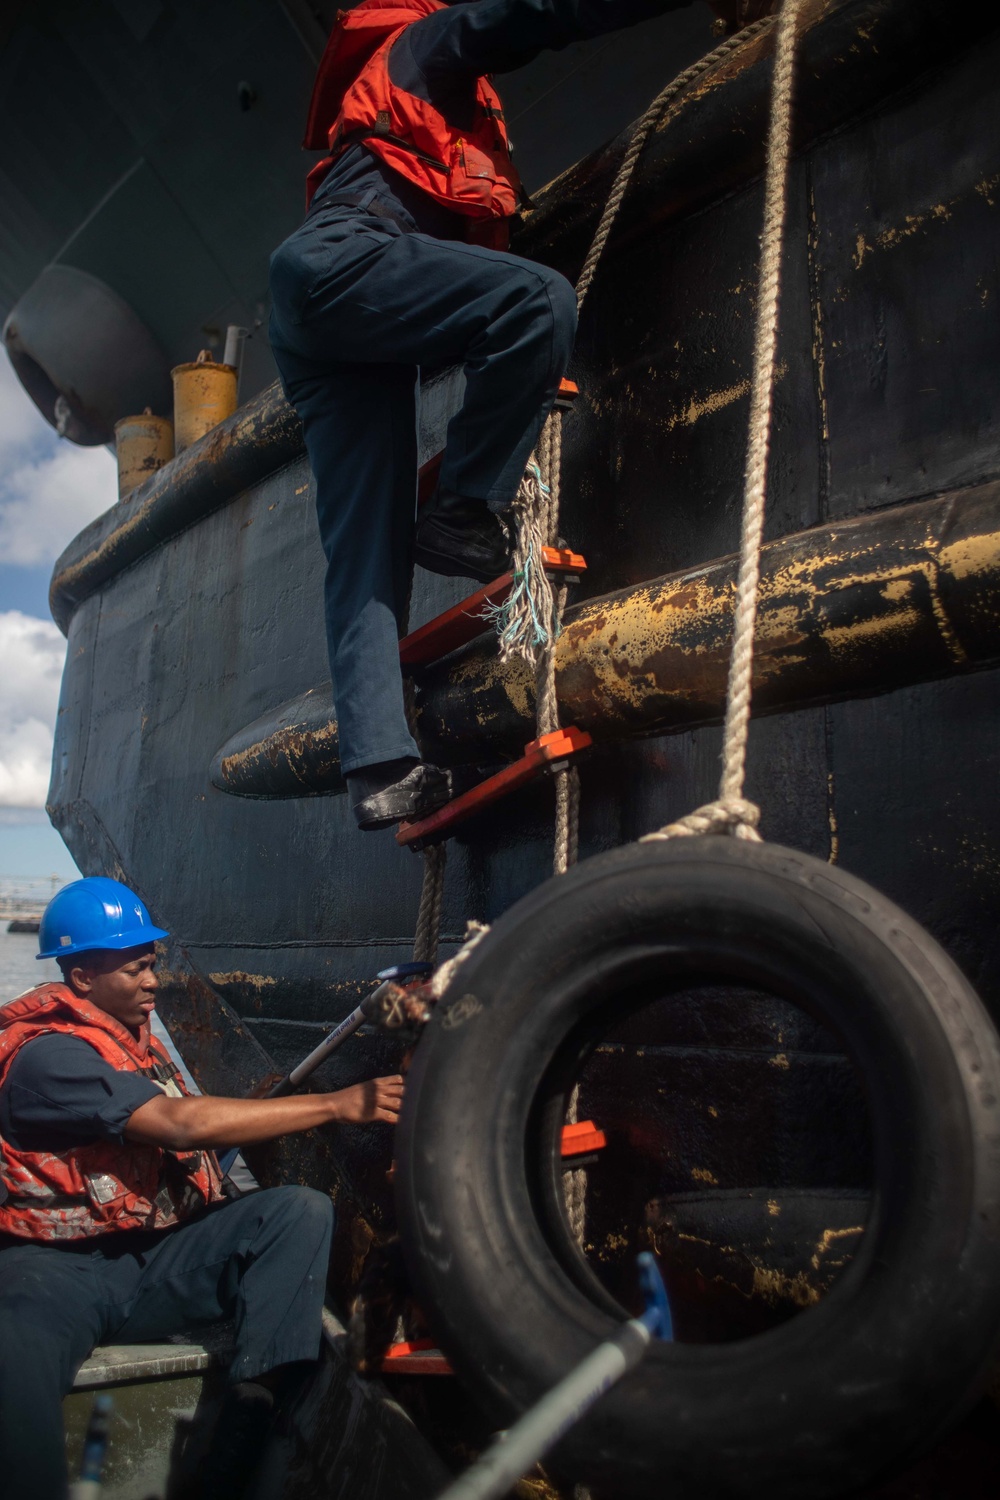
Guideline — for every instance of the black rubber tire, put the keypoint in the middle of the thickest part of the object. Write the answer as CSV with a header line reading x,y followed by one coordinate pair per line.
x,y
842,1393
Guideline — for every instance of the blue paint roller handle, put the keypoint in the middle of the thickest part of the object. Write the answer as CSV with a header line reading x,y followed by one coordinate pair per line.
x,y
516,1451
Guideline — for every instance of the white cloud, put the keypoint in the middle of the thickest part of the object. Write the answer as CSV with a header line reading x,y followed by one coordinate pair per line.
x,y
49,488
32,652
43,504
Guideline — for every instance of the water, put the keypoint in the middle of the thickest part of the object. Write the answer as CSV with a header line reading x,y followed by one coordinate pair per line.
x,y
19,968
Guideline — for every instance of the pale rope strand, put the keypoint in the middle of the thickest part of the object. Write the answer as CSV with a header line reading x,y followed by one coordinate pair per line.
x,y
563,831
567,823
731,813
523,620
545,451
575,1182
734,743
474,933
425,943
573,815
553,476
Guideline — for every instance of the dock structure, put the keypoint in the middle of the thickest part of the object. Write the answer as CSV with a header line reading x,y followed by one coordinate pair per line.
x,y
23,898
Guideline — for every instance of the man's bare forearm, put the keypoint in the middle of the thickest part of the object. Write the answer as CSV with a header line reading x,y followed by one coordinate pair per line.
x,y
208,1122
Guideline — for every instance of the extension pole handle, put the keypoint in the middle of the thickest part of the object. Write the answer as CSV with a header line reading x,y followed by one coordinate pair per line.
x,y
516,1451
329,1044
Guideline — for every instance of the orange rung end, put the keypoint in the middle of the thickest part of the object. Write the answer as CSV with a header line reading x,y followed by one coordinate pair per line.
x,y
562,560
464,621
419,1358
584,1136
566,394
537,757
455,627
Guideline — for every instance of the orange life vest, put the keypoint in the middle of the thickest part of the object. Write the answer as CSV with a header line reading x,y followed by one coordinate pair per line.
x,y
468,171
98,1186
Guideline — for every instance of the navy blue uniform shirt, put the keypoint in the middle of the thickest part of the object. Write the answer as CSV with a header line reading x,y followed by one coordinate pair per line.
x,y
59,1090
440,57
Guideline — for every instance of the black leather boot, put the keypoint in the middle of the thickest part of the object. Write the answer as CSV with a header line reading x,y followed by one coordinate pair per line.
x,y
462,538
418,793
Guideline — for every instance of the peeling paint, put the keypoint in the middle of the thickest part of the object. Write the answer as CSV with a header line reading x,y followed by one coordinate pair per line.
x,y
775,1287
831,1237
248,981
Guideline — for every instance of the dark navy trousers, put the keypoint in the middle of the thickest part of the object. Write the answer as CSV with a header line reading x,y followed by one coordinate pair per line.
x,y
359,305
261,1260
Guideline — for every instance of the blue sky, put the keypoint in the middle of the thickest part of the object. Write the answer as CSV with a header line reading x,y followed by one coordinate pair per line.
x,y
49,489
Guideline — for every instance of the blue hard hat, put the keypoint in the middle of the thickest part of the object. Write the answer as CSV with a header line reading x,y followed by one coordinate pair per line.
x,y
94,913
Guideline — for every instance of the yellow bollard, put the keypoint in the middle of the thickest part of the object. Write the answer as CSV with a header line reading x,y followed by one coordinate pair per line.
x,y
204,395
142,445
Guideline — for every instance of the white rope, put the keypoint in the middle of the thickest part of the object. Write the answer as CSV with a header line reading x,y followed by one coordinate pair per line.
x,y
575,1180
425,941
474,934
731,813
529,622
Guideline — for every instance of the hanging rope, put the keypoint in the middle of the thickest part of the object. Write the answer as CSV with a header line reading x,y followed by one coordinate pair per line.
x,y
575,1180
425,942
529,623
731,813
474,933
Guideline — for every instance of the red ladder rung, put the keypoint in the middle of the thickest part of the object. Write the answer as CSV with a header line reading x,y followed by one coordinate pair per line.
x,y
464,621
538,757
458,625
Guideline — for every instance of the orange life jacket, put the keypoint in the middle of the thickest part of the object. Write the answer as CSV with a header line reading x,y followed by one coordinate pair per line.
x,y
98,1186
468,171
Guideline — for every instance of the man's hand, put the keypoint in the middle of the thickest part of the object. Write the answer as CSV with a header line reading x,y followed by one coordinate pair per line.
x,y
363,1103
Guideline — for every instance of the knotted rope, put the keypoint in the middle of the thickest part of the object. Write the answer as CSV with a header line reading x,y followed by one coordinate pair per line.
x,y
731,813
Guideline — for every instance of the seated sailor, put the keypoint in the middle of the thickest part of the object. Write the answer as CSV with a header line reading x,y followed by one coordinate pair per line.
x,y
401,264
113,1222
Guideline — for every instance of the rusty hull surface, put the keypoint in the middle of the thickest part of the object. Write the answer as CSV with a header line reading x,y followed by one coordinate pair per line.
x,y
194,613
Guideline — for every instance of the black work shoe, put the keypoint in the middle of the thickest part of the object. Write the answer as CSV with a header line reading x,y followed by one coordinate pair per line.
x,y
421,792
462,538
